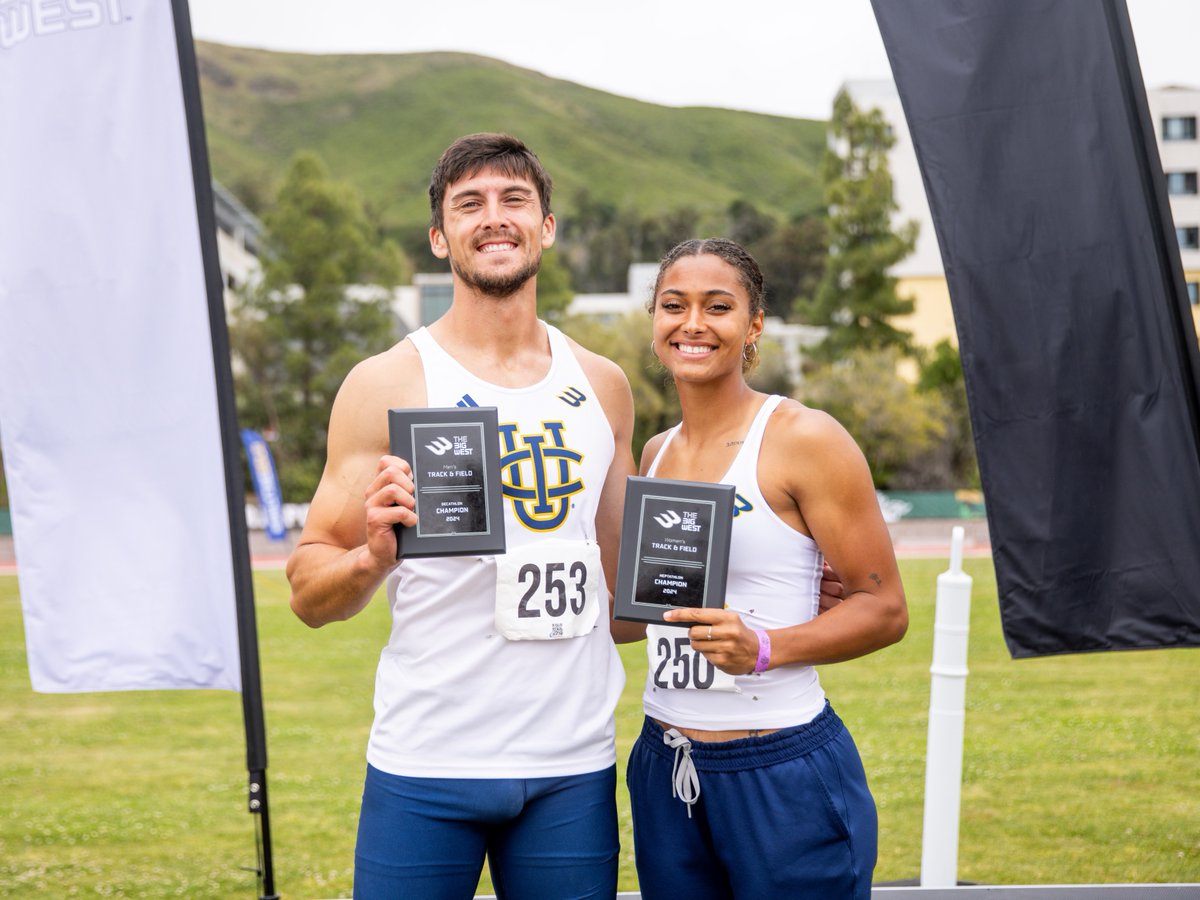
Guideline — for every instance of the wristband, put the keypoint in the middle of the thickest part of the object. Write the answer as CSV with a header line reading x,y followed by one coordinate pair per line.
x,y
764,651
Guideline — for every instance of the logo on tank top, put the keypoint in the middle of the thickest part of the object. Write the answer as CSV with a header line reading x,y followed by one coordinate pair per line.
x,y
741,505
467,401
572,396
536,475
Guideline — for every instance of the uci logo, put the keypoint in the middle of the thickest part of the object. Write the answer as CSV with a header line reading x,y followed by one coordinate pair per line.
x,y
535,474
439,446
669,519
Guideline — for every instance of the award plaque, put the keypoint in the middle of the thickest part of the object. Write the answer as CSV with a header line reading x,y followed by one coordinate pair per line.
x,y
674,547
455,459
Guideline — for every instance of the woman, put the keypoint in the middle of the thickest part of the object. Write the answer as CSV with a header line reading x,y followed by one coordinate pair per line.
x,y
770,795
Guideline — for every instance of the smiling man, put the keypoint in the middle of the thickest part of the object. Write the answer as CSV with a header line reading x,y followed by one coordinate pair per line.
x,y
484,742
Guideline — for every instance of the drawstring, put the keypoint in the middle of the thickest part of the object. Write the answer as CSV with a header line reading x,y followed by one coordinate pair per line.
x,y
685,783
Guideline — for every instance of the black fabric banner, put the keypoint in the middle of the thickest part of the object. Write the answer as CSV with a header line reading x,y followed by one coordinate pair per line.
x,y
1031,127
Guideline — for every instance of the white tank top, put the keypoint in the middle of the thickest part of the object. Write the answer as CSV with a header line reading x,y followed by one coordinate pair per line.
x,y
455,699
774,581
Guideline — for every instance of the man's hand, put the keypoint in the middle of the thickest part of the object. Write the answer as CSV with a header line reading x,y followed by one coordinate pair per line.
x,y
832,590
389,502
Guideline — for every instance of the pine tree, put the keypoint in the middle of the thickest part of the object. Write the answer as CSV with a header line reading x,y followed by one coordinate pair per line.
x,y
856,298
297,333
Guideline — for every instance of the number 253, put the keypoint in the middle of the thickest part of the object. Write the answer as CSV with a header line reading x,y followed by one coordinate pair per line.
x,y
554,598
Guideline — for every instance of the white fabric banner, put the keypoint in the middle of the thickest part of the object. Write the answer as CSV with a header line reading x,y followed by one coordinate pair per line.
x,y
108,409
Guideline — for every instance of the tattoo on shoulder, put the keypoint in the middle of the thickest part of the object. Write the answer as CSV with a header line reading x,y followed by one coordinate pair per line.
x,y
875,578
733,443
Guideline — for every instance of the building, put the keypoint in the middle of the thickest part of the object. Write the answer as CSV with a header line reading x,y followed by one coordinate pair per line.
x,y
239,241
639,285
1174,111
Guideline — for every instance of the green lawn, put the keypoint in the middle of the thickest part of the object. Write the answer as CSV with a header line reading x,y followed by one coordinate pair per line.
x,y
1078,769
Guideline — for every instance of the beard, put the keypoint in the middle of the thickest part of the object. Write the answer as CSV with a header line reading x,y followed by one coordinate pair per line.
x,y
500,285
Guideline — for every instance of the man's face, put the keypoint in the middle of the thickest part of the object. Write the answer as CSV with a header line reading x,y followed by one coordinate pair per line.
x,y
493,232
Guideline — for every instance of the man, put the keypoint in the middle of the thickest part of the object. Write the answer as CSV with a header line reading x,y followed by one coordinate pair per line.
x,y
486,739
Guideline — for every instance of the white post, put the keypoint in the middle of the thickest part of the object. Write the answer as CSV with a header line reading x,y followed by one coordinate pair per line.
x,y
947,703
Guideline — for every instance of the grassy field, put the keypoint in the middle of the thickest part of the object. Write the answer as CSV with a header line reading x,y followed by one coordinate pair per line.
x,y
1077,769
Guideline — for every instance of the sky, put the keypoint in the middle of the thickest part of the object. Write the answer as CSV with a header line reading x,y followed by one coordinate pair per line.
x,y
785,57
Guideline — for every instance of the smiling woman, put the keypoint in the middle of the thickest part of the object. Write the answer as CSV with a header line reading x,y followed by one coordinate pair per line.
x,y
756,736
694,303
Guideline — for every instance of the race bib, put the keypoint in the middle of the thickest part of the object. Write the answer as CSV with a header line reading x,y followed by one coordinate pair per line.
x,y
675,665
548,590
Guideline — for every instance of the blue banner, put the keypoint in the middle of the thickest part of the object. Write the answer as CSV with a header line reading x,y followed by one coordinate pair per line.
x,y
266,482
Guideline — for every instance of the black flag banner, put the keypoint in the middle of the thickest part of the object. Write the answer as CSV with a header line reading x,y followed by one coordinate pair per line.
x,y
1031,127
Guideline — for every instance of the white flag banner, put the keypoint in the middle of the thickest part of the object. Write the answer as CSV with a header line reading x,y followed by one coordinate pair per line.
x,y
108,399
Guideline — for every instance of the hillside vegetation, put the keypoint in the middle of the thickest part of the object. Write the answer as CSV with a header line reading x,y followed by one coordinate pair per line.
x,y
380,122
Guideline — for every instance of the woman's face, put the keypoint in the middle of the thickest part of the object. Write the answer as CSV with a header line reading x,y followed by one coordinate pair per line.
x,y
702,319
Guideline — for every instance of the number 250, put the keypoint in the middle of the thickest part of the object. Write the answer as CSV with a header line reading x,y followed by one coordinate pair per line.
x,y
689,667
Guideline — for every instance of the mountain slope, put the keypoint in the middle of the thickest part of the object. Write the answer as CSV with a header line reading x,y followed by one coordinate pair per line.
x,y
380,122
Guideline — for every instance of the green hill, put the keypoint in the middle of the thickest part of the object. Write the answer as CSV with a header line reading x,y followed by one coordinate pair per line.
x,y
380,122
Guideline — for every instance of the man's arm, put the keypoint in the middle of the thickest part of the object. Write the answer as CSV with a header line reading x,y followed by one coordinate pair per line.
x,y
348,545
612,388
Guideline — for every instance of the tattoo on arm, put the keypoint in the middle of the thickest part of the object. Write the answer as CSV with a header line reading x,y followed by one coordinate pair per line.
x,y
875,578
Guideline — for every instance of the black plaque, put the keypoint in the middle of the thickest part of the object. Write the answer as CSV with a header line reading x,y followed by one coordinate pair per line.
x,y
455,459
674,547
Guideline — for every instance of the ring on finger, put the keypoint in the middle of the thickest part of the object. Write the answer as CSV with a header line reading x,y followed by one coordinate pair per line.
x,y
710,632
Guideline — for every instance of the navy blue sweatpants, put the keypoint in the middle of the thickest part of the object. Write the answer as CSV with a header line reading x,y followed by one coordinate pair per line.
x,y
787,814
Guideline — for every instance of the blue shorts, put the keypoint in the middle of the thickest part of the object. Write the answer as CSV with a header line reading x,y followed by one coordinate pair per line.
x,y
543,837
787,814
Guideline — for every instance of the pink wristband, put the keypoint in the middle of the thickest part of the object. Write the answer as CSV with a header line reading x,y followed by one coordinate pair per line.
x,y
764,650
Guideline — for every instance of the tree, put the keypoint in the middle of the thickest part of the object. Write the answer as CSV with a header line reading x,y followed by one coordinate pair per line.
x,y
771,375
857,297
595,243
297,333
952,464
889,418
626,342
746,224
554,292
792,259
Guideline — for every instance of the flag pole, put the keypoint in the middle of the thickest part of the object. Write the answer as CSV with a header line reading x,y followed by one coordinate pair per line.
x,y
252,705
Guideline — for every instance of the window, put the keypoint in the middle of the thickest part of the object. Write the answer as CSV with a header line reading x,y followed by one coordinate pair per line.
x,y
1189,237
1179,128
1194,292
1181,182
435,301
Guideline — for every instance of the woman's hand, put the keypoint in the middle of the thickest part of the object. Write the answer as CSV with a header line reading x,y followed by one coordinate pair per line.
x,y
721,637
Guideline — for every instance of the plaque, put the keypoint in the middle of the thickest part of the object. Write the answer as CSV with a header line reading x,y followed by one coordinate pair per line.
x,y
674,547
455,459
